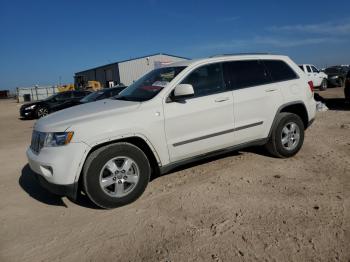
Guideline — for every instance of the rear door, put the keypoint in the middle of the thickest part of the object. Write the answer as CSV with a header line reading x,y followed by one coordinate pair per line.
x,y
255,98
202,123
311,75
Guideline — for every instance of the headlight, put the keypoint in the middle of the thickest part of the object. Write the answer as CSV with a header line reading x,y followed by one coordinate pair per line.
x,y
31,107
58,139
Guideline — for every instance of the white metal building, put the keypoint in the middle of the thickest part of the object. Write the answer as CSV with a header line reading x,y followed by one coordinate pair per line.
x,y
125,72
34,93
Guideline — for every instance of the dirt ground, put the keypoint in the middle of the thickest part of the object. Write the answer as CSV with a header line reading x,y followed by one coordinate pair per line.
x,y
243,206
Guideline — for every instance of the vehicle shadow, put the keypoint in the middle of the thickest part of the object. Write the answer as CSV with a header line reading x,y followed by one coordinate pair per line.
x,y
31,186
339,104
197,163
25,119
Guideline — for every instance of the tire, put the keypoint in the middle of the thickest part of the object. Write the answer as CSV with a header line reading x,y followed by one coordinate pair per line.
x,y
116,175
279,141
323,85
41,111
347,92
340,82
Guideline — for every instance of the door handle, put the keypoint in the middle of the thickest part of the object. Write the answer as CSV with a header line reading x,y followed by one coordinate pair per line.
x,y
221,99
270,90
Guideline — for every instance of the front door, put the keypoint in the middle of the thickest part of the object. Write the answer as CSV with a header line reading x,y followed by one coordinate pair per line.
x,y
202,123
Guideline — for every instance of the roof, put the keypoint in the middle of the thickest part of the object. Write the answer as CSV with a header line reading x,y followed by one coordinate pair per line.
x,y
229,57
135,58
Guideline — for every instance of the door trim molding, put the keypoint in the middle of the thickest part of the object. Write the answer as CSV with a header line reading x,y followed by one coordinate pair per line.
x,y
217,134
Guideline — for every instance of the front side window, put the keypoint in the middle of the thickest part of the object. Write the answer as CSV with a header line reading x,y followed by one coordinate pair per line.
x,y
206,80
301,67
280,71
79,94
63,96
150,84
242,74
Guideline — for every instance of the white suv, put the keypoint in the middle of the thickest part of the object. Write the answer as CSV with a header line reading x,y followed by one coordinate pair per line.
x,y
318,78
171,116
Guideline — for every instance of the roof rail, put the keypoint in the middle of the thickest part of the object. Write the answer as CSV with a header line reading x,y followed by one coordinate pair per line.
x,y
234,54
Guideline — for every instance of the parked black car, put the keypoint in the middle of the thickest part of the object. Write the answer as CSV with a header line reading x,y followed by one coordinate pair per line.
x,y
102,94
51,104
336,75
347,87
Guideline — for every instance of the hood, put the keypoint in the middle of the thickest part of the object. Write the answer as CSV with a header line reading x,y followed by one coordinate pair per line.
x,y
31,103
62,120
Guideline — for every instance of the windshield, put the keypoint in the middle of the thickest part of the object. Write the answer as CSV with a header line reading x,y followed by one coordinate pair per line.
x,y
150,84
91,97
332,70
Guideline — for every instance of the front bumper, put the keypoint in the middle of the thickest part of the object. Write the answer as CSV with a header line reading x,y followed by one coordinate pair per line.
x,y
27,113
333,81
58,168
61,190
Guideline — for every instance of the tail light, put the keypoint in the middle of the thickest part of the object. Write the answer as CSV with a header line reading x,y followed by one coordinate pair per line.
x,y
311,85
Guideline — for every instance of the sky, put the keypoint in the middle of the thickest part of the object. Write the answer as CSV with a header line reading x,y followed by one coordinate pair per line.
x,y
44,42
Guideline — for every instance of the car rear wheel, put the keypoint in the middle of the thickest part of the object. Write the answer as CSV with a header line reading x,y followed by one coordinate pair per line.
x,y
41,111
340,82
116,175
347,91
287,136
324,85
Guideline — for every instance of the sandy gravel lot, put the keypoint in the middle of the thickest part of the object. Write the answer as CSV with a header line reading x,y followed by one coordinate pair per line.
x,y
243,206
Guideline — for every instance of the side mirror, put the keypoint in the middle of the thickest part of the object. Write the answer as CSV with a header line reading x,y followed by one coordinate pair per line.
x,y
183,91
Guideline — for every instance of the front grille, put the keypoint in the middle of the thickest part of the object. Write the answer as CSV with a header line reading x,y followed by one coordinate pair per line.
x,y
38,139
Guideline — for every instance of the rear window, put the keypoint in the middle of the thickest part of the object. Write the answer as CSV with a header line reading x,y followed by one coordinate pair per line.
x,y
279,70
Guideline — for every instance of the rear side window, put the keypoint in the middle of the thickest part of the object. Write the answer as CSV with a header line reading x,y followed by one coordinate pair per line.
x,y
242,74
308,68
279,70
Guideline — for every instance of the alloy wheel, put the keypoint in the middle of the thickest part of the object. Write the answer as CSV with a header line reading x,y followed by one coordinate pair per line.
x,y
119,176
290,136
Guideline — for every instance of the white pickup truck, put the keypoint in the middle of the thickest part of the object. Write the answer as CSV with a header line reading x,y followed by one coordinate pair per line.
x,y
318,78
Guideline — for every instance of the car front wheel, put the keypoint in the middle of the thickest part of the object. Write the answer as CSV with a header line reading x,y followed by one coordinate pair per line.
x,y
287,136
41,111
116,175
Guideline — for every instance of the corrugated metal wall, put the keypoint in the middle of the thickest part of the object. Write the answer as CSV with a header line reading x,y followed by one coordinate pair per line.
x,y
107,73
130,71
102,74
36,93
